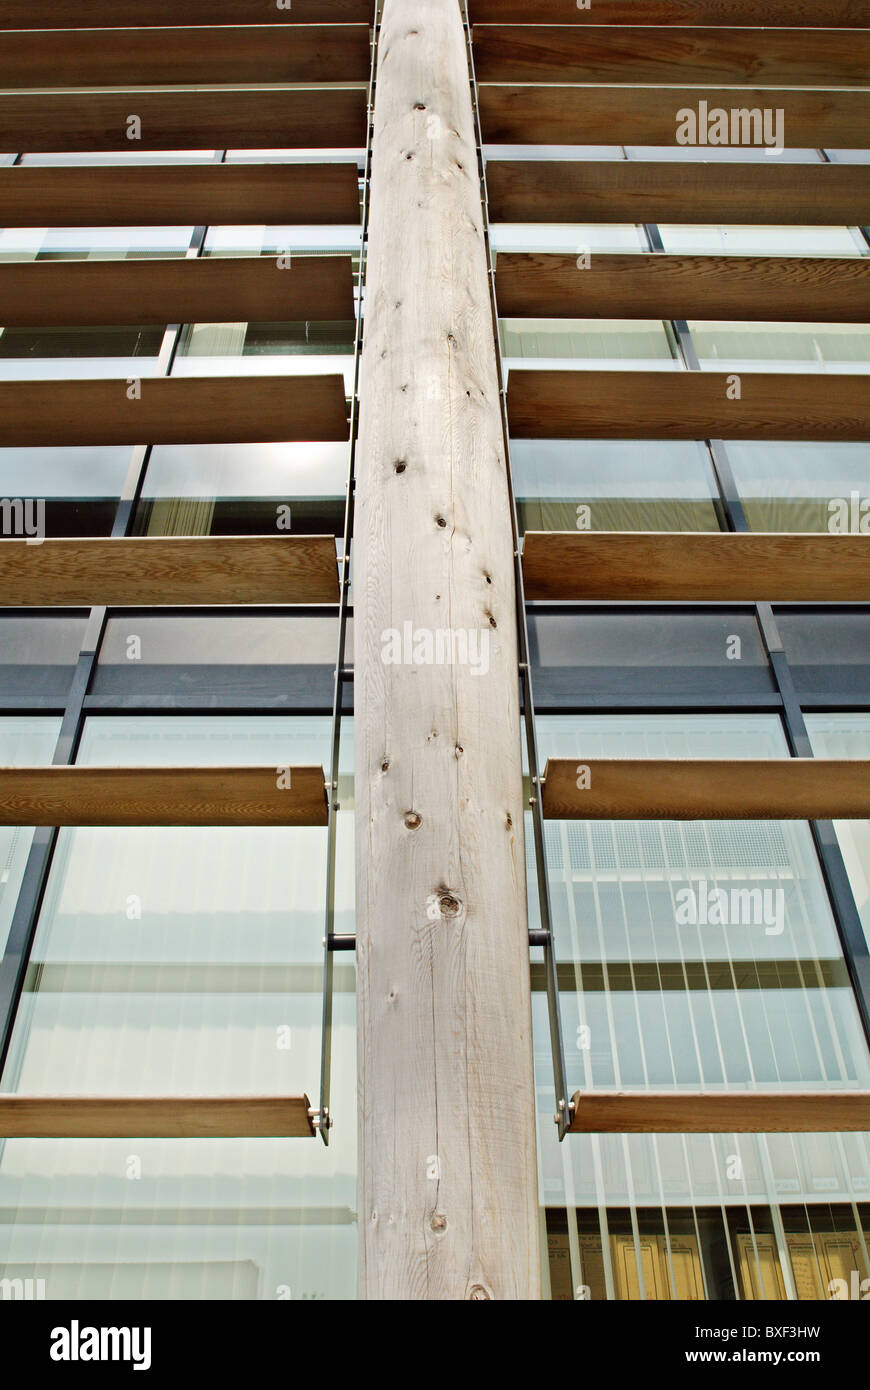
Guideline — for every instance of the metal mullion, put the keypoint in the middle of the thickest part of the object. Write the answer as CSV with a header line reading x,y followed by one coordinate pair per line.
x,y
344,674
545,936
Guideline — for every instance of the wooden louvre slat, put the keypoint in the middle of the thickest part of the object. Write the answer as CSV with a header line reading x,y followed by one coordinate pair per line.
x,y
152,570
699,405
191,194
706,789
173,410
178,119
548,115
751,567
815,195
134,14
784,288
214,54
155,1117
210,289
162,796
629,54
819,14
754,1112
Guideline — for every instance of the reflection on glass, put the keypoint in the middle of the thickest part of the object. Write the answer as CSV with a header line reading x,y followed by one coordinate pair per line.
x,y
848,736
782,347
590,342
804,487
186,962
24,742
604,485
79,485
657,996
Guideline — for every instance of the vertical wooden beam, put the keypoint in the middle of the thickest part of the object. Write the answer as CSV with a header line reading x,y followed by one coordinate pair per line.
x,y
448,1188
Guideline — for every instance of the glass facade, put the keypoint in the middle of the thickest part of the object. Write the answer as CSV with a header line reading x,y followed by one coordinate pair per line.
x,y
189,961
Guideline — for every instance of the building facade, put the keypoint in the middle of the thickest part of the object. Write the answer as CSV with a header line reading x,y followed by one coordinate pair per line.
x,y
187,434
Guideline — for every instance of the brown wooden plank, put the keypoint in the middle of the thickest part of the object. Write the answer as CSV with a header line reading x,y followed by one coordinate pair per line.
x,y
670,405
229,54
199,194
817,14
134,14
155,1117
636,54
816,195
770,288
753,1112
210,289
540,115
178,119
719,566
150,570
706,789
174,410
162,796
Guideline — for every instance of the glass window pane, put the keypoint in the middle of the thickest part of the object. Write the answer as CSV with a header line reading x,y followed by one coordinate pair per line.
x,y
803,487
24,742
848,736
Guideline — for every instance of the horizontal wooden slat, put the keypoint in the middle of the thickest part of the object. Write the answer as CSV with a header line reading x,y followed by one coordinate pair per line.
x,y
197,194
174,410
638,54
535,115
123,14
818,14
210,289
785,288
151,570
671,405
155,1117
816,195
178,119
706,789
149,56
162,796
682,1112
717,566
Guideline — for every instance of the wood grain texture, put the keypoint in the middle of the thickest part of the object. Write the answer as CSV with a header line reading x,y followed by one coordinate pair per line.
x,y
179,119
546,115
814,195
198,194
168,570
155,1117
135,14
668,53
770,288
209,289
707,789
215,54
677,405
173,410
161,796
754,1112
448,1186
745,567
818,14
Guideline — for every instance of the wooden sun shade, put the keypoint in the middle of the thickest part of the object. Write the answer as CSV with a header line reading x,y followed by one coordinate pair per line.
x,y
134,14
219,195
706,789
173,410
210,289
670,54
753,567
683,1112
627,190
155,1117
183,119
194,56
819,14
159,570
696,405
551,115
785,288
173,796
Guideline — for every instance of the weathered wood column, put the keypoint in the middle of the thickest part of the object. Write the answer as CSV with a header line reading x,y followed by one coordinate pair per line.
x,y
448,1190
